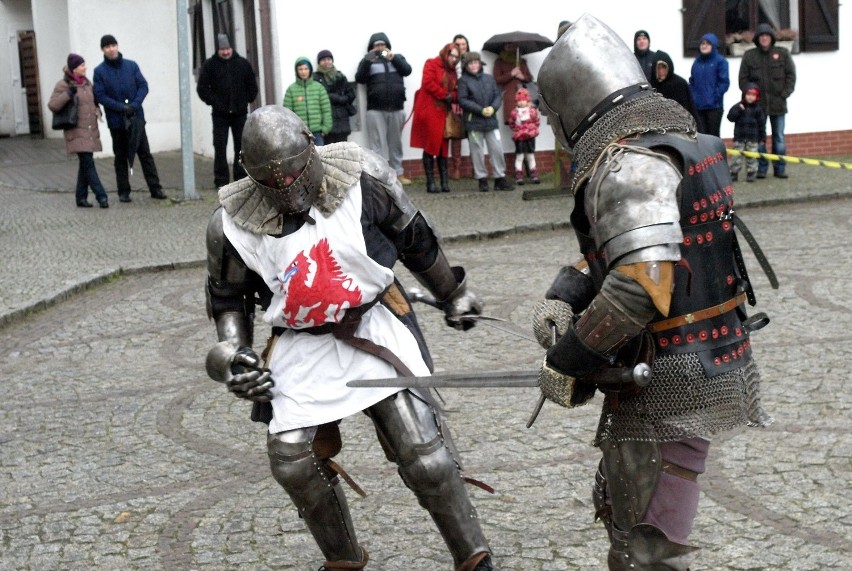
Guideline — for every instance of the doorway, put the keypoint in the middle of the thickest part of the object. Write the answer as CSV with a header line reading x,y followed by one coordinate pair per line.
x,y
29,80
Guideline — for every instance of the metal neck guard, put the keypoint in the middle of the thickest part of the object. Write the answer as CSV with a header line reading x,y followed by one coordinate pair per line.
x,y
651,113
258,214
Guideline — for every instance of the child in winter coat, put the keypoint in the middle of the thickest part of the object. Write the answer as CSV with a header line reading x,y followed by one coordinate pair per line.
x,y
524,120
749,121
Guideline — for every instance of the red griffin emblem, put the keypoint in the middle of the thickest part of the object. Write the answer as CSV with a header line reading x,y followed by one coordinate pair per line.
x,y
315,289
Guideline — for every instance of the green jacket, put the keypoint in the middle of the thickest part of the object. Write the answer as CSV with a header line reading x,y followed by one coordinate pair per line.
x,y
309,100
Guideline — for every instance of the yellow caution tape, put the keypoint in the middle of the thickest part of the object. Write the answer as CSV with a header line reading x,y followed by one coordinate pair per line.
x,y
788,159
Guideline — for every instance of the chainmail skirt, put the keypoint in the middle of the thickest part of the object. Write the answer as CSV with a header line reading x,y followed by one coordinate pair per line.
x,y
681,401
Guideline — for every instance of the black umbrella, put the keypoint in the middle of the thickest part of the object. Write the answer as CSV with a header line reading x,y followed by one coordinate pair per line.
x,y
133,126
526,42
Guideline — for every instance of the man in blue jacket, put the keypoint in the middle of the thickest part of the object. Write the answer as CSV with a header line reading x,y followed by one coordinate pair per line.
x,y
120,87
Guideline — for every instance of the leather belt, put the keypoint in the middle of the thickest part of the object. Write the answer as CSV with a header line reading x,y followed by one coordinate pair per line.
x,y
699,315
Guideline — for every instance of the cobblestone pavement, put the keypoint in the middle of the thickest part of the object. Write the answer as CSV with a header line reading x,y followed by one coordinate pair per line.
x,y
117,452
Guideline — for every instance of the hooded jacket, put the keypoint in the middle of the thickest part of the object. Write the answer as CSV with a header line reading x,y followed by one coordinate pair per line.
x,y
385,79
309,100
673,86
227,85
749,119
773,70
709,79
646,58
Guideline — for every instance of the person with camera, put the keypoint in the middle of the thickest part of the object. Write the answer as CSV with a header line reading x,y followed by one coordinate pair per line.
x,y
384,73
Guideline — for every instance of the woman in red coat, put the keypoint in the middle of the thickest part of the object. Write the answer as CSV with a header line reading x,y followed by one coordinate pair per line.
x,y
435,98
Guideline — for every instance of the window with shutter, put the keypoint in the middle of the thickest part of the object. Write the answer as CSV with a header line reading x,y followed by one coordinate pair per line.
x,y
817,22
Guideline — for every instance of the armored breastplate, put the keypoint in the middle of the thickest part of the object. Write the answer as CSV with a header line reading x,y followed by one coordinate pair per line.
x,y
706,276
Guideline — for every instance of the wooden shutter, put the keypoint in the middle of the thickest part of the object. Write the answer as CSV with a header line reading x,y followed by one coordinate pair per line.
x,y
818,28
699,18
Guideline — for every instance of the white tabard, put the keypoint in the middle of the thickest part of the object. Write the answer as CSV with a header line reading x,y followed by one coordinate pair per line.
x,y
314,274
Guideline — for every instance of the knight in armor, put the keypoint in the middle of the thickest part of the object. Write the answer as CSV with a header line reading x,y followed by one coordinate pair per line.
x,y
311,236
660,281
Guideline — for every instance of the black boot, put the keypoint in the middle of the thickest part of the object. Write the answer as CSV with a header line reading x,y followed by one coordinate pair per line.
x,y
444,172
429,167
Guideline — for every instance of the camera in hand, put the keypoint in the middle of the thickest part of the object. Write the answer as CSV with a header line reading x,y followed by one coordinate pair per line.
x,y
383,54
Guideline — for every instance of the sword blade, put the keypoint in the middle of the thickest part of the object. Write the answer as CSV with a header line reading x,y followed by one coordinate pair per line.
x,y
493,379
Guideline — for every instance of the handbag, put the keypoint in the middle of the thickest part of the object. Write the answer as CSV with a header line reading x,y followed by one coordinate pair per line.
x,y
454,127
66,118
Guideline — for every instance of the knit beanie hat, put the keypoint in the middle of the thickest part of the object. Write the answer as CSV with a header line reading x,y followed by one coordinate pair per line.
x,y
108,40
471,56
522,95
74,61
324,54
222,42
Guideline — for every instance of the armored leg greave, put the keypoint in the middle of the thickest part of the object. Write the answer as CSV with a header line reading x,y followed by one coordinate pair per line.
x,y
626,490
316,492
412,436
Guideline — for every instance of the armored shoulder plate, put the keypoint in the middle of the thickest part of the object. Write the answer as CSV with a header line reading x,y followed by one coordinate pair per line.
x,y
377,167
632,204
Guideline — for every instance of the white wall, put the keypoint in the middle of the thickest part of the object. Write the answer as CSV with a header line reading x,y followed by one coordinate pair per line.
x,y
147,33
419,36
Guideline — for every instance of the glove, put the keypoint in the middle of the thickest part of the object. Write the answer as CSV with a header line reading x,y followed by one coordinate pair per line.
x,y
129,110
249,381
465,303
563,389
547,315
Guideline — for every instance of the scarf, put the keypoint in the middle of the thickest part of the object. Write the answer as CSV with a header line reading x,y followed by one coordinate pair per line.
x,y
329,73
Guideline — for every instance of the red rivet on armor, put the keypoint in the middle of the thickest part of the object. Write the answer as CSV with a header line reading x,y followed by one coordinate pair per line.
x,y
703,203
702,335
699,239
676,339
693,219
726,358
709,236
738,331
717,361
726,225
663,342
696,206
690,338
687,240
704,217
723,330
730,280
715,333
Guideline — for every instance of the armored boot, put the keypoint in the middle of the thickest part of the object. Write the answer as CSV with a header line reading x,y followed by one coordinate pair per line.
x,y
414,437
429,167
455,151
444,173
299,462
